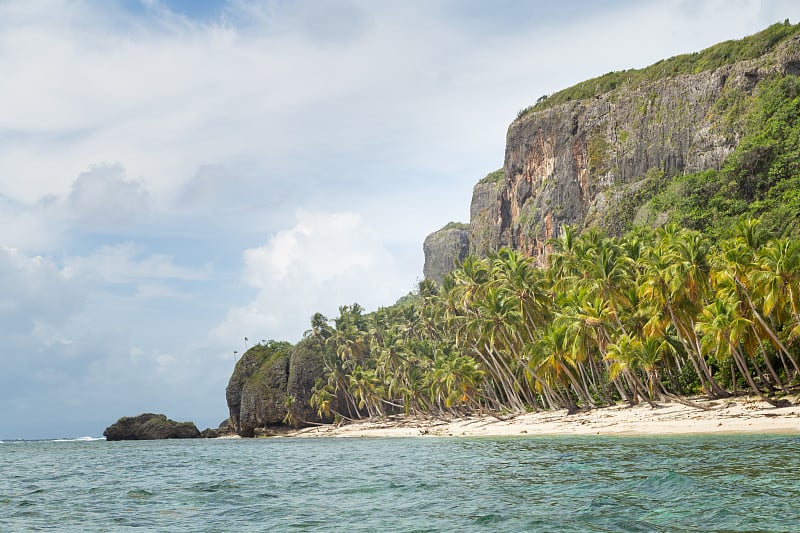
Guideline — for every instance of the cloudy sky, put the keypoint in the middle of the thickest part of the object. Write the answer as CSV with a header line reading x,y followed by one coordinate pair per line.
x,y
176,175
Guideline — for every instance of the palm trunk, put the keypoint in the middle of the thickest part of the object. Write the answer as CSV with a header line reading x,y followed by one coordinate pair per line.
x,y
742,363
776,341
768,364
579,390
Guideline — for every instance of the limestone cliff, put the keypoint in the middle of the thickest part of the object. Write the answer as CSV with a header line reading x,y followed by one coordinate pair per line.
x,y
485,216
594,154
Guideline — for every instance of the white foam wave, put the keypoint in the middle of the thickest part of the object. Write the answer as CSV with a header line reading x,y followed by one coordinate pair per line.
x,y
80,439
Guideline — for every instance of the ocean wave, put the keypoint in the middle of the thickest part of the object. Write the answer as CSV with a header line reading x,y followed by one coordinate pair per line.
x,y
80,439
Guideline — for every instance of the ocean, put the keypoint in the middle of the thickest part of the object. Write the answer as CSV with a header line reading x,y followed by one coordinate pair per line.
x,y
649,484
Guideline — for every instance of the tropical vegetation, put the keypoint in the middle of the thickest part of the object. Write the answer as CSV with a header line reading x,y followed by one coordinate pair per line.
x,y
707,303
652,315
725,53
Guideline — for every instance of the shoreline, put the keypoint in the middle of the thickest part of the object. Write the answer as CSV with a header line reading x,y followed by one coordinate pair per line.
x,y
726,416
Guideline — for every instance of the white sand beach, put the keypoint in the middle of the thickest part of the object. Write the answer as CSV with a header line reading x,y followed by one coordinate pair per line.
x,y
736,415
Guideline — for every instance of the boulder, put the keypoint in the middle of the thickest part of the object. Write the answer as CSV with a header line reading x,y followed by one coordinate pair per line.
x,y
225,428
148,426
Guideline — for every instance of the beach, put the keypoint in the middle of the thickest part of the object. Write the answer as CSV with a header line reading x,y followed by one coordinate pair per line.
x,y
726,416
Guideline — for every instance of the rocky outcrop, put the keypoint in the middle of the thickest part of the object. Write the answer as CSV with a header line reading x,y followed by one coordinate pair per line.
x,y
597,160
444,249
225,428
305,367
149,426
272,385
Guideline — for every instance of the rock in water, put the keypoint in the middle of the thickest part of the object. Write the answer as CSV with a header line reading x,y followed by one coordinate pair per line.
x,y
149,426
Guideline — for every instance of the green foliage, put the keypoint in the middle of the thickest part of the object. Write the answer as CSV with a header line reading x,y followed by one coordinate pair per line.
x,y
598,157
641,317
721,54
493,177
455,225
761,178
261,354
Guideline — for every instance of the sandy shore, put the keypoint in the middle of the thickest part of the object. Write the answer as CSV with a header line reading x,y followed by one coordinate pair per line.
x,y
740,415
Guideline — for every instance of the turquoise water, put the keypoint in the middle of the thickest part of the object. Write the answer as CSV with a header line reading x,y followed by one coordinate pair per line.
x,y
709,483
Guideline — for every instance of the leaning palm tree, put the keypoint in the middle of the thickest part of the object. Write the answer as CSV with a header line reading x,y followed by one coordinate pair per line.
x,y
776,284
723,329
738,272
674,287
625,355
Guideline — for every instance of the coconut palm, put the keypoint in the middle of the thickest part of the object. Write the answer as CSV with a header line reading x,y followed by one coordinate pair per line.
x,y
724,328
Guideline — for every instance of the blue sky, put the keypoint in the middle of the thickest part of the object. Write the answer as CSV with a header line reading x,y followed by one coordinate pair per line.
x,y
178,175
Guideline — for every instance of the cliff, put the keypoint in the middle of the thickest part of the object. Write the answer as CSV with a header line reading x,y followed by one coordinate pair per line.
x,y
597,154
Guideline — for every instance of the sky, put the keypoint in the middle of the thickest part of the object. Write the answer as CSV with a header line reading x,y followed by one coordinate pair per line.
x,y
177,175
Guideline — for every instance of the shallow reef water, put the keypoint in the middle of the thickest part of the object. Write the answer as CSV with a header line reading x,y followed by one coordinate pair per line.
x,y
697,483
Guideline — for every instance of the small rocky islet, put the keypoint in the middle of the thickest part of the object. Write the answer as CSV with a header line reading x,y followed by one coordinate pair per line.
x,y
152,426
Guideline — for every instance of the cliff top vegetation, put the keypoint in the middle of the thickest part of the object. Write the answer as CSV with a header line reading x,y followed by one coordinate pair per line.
x,y
455,225
493,177
725,53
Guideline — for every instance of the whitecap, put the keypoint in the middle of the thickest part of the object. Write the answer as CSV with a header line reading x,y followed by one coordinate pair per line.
x,y
80,439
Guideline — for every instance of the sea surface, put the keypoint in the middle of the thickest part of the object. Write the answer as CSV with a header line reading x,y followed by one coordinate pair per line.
x,y
648,484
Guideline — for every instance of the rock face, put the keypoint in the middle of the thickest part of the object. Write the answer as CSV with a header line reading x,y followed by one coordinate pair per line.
x,y
305,366
485,216
271,386
597,160
444,249
148,426
583,163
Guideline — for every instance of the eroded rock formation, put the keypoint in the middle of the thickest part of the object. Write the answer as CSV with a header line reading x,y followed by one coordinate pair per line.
x,y
271,386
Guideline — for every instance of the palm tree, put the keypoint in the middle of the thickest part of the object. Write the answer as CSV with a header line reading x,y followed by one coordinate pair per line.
x,y
742,273
552,365
776,283
589,323
674,286
723,329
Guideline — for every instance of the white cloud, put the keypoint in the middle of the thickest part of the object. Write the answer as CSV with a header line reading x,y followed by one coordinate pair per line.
x,y
30,228
128,263
34,292
325,260
320,248
102,198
